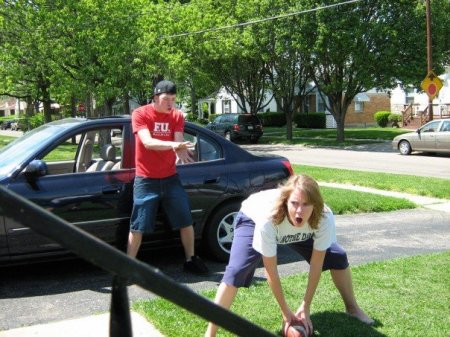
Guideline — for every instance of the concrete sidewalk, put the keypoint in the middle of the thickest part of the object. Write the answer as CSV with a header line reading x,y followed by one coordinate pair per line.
x,y
98,325
91,326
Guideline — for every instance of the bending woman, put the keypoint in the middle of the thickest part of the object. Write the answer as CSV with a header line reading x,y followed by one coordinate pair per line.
x,y
293,214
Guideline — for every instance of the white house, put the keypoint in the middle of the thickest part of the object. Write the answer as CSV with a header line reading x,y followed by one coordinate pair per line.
x,y
10,106
441,103
223,102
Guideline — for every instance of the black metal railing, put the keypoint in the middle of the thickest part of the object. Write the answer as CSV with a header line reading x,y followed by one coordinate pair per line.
x,y
123,268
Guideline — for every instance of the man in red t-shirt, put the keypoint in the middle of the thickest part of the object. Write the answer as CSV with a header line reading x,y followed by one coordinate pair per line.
x,y
158,128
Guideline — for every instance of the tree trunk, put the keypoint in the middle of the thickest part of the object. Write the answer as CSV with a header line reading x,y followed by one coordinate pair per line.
x,y
126,103
194,109
340,127
88,105
29,106
73,106
289,118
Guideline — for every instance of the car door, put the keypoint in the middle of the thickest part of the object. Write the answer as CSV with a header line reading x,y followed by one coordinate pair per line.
x,y
427,137
205,180
443,137
216,125
96,201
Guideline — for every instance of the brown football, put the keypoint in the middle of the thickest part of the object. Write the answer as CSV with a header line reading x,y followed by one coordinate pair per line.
x,y
294,329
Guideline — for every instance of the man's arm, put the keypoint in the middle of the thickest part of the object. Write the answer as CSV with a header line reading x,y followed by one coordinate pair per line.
x,y
151,143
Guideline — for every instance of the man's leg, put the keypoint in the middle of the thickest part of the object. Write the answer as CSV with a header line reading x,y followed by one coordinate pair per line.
x,y
188,241
134,242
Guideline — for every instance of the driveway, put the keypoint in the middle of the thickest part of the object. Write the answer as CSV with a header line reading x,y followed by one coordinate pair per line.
x,y
378,157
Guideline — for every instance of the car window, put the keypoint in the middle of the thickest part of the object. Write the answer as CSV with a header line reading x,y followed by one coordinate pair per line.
x,y
205,149
232,118
445,126
91,151
430,127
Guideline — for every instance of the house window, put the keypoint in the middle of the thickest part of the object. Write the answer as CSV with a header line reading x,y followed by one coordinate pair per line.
x,y
359,106
226,106
320,104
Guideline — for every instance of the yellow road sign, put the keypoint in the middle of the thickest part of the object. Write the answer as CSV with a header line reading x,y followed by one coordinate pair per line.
x,y
431,85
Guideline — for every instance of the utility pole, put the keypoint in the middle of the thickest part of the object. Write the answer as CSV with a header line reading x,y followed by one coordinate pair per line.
x,y
429,54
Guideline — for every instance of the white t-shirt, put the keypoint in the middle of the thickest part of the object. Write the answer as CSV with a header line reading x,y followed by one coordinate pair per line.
x,y
259,208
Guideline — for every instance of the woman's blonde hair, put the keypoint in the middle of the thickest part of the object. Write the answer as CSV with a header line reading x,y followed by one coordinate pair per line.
x,y
310,187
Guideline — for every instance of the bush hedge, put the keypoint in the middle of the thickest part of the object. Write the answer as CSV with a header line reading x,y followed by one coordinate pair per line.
x,y
272,118
315,120
382,118
310,120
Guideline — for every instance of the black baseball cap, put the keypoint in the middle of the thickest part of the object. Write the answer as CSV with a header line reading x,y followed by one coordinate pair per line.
x,y
165,86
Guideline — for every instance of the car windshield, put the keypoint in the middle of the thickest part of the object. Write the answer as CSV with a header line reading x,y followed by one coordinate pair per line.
x,y
15,153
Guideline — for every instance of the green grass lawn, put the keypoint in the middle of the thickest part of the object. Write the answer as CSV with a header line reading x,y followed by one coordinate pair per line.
x,y
360,202
5,140
407,297
426,186
327,137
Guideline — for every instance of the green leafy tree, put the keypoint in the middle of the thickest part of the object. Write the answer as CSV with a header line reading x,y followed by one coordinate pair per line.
x,y
357,47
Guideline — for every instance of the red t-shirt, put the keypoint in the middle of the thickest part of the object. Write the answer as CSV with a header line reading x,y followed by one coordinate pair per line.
x,y
162,126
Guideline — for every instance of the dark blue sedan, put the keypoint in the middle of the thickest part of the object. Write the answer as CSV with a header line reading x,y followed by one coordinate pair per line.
x,y
82,170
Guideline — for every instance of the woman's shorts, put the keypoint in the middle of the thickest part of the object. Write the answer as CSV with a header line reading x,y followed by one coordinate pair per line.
x,y
149,194
244,259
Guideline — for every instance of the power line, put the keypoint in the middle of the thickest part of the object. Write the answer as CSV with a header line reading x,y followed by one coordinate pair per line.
x,y
248,23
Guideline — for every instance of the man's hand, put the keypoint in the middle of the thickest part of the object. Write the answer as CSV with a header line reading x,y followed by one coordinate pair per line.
x,y
184,154
182,145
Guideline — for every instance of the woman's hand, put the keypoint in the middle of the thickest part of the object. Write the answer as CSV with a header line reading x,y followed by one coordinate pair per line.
x,y
288,316
303,314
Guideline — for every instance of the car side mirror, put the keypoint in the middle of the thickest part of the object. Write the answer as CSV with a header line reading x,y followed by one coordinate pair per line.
x,y
418,131
36,168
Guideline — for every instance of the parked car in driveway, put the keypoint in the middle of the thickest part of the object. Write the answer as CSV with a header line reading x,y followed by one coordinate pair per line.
x,y
237,127
7,124
431,137
82,170
15,126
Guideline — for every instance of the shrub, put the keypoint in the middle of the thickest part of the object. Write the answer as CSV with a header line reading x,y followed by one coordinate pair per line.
x,y
212,117
316,120
382,118
394,119
272,118
32,122
191,117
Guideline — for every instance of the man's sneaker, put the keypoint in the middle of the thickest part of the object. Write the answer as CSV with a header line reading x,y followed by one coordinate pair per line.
x,y
196,266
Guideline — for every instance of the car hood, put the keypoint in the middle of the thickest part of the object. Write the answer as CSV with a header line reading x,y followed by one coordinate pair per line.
x,y
405,135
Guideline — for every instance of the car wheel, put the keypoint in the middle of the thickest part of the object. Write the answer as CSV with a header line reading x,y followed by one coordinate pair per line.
x,y
219,232
228,136
404,147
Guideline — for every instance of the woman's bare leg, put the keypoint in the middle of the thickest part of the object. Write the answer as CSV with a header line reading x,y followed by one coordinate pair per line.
x,y
224,297
342,279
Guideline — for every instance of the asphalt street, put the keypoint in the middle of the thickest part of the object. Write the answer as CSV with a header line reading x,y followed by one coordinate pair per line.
x,y
379,157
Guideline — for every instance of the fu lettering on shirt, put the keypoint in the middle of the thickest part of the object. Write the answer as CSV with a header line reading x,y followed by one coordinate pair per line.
x,y
161,129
